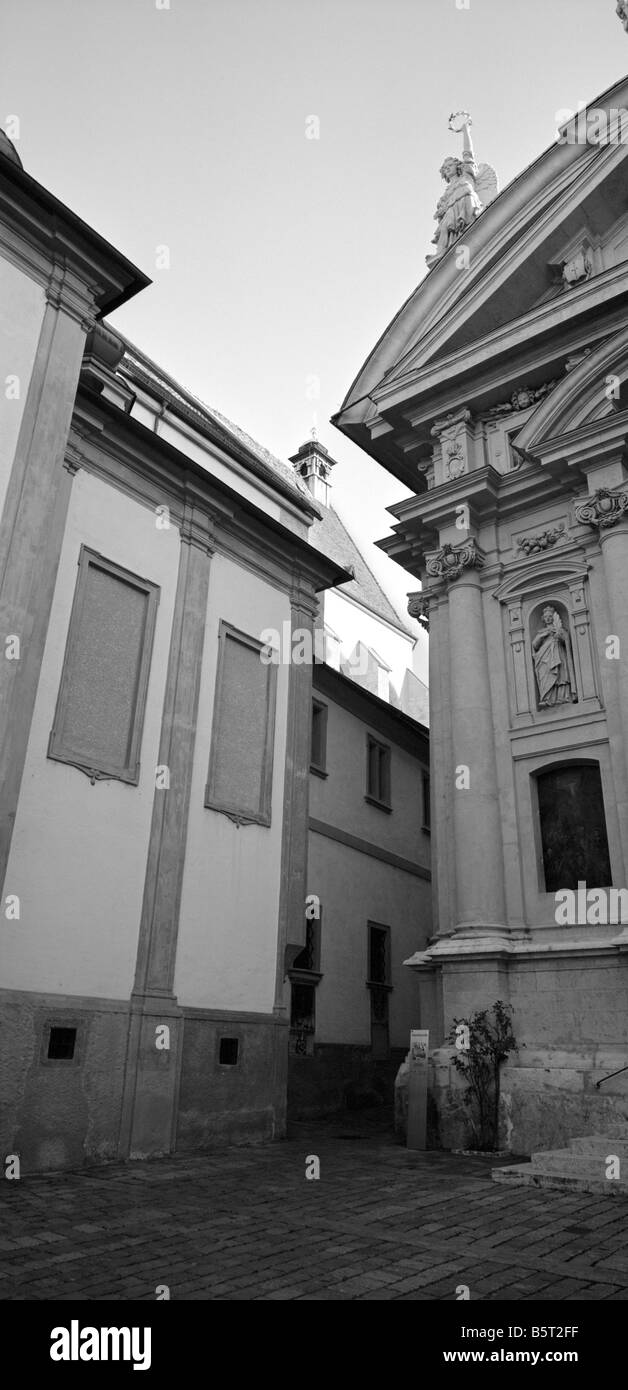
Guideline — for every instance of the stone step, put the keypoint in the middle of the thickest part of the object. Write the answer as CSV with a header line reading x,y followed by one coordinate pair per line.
x,y
529,1175
601,1143
568,1162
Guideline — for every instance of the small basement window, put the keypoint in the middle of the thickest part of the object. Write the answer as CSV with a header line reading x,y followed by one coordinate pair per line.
x,y
61,1044
228,1054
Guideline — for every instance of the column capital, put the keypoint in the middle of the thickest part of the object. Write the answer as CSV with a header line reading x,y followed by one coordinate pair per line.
x,y
66,292
451,424
605,508
449,562
419,607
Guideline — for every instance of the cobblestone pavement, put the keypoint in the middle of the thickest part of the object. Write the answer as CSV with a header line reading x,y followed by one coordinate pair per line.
x,y
245,1223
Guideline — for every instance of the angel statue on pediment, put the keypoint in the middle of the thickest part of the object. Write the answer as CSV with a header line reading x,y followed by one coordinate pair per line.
x,y
469,187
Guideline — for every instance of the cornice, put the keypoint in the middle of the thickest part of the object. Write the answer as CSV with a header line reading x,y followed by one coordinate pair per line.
x,y
205,425
542,319
39,234
204,509
372,711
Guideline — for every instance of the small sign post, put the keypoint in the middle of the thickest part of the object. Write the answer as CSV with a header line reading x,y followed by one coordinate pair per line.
x,y
417,1088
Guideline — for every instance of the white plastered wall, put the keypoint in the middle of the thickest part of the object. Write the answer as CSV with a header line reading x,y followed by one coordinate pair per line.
x,y
227,947
78,854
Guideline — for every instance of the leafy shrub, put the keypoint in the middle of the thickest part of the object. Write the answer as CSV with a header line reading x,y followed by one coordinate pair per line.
x,y
482,1043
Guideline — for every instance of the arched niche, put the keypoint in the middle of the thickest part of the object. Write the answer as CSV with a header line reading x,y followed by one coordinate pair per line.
x,y
560,582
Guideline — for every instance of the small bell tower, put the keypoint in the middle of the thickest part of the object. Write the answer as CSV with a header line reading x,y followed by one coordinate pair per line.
x,y
314,463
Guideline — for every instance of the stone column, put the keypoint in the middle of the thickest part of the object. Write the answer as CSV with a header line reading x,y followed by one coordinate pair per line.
x,y
296,795
480,900
152,1072
31,533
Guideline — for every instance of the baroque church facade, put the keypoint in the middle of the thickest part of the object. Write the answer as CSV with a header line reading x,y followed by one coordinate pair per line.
x,y
499,396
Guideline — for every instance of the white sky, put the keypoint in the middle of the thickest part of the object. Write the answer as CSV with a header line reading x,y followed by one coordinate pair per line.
x,y
186,127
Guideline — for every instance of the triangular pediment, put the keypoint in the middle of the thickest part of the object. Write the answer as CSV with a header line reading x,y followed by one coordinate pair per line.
x,y
550,254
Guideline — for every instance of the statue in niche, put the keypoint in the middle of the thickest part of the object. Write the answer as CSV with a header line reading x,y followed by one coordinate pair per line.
x,y
553,662
469,187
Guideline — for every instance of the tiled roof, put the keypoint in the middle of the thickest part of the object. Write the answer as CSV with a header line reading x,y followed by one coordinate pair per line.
x,y
331,538
141,369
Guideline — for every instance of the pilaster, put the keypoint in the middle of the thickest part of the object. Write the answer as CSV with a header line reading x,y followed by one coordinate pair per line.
x,y
152,1071
607,511
294,844
31,537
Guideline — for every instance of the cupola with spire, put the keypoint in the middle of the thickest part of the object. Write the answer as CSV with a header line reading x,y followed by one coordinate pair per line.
x,y
314,463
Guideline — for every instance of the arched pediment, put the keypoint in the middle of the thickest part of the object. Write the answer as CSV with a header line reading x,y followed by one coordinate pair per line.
x,y
585,396
530,578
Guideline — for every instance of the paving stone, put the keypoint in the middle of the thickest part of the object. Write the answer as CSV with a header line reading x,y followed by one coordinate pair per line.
x,y
380,1225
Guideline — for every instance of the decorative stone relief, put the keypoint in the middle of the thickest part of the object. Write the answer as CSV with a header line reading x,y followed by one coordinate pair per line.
x,y
622,11
579,268
426,468
522,398
552,658
449,562
605,508
532,545
516,637
453,436
419,607
575,360
469,187
454,461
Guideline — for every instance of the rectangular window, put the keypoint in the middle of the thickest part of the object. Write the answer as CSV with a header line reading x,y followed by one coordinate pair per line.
x,y
100,707
573,827
228,1052
379,987
61,1044
243,734
62,1041
318,755
303,1008
305,977
378,772
309,958
426,801
379,954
